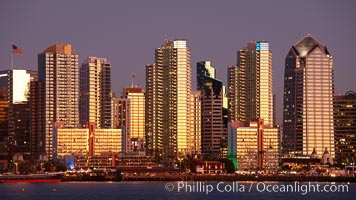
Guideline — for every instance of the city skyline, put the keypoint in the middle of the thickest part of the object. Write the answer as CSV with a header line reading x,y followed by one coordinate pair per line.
x,y
215,31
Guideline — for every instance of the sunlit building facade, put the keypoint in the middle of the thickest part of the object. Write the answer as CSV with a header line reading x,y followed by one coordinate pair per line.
x,y
250,84
89,141
254,145
95,92
168,86
136,125
58,69
308,122
195,123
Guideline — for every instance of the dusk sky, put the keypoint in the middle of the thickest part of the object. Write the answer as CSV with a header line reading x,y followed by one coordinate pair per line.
x,y
127,32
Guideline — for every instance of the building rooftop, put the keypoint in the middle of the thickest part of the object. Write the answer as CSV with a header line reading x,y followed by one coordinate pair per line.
x,y
307,44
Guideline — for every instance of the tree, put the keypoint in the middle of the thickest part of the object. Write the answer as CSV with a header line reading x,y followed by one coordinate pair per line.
x,y
229,165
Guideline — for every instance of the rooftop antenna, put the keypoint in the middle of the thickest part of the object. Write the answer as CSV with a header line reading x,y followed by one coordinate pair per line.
x,y
132,79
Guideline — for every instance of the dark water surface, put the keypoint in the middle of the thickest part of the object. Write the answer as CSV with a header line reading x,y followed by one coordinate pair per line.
x,y
158,190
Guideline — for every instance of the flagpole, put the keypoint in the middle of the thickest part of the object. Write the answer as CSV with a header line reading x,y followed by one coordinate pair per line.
x,y
12,57
12,61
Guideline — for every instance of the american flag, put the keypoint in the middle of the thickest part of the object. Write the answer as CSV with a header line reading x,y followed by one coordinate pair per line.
x,y
16,50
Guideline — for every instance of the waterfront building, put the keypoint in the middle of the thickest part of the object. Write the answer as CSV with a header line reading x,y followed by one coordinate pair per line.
x,y
95,92
254,145
308,122
168,90
59,72
88,141
345,128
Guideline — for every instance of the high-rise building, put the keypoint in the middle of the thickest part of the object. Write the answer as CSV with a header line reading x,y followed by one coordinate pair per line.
x,y
345,128
252,140
154,111
250,84
121,120
254,145
15,88
212,123
308,99
195,123
95,92
233,82
38,137
168,87
59,71
136,125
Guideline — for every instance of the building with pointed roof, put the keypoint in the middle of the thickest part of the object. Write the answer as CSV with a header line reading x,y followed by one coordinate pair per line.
x,y
308,99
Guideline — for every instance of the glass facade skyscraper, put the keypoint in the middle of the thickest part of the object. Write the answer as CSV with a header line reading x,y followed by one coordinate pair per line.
x,y
168,90
95,92
250,84
308,122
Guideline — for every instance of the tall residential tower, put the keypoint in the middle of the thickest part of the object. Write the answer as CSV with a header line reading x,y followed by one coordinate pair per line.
x,y
168,90
58,70
250,84
95,92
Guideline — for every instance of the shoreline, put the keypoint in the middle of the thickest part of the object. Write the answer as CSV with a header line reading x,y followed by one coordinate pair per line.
x,y
230,178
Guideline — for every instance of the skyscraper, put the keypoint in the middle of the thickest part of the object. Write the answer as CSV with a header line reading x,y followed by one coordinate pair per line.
x,y
345,128
136,106
308,99
195,123
154,111
58,70
212,109
168,86
121,120
95,92
250,84
15,87
38,137
253,142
